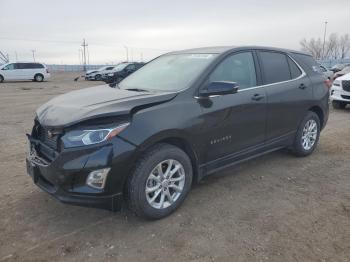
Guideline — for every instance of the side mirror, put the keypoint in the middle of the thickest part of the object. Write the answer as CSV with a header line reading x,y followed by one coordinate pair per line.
x,y
219,88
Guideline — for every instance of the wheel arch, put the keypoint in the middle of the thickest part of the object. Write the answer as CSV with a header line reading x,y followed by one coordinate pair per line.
x,y
37,74
319,112
175,138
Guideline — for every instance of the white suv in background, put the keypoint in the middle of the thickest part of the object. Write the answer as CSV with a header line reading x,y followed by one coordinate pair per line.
x,y
340,92
24,71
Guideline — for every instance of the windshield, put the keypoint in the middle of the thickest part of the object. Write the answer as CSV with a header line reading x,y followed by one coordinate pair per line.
x,y
172,72
120,67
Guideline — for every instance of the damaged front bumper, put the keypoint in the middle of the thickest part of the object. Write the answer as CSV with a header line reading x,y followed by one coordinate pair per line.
x,y
64,174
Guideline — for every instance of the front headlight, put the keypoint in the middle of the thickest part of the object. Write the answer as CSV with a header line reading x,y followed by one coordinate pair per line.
x,y
336,83
77,138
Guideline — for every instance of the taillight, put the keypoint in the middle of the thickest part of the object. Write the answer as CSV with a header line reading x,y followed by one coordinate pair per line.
x,y
328,83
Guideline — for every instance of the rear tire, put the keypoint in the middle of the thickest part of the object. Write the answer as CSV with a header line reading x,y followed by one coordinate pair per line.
x,y
160,182
338,104
307,136
38,78
1,79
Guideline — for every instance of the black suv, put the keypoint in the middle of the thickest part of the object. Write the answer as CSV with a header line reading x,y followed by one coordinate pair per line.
x,y
181,117
121,71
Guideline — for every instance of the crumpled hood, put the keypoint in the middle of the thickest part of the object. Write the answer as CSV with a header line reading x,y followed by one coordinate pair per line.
x,y
93,102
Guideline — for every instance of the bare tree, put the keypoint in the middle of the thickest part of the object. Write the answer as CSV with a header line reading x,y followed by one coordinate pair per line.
x,y
332,47
344,45
335,47
314,47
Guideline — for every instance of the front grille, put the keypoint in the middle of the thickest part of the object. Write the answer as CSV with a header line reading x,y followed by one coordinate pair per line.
x,y
346,97
346,85
45,136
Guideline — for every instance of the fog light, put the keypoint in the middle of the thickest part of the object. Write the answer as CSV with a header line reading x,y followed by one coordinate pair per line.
x,y
97,179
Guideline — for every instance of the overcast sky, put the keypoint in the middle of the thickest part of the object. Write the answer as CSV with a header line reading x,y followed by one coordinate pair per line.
x,y
55,29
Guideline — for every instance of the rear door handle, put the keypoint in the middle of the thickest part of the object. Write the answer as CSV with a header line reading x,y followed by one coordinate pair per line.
x,y
302,86
257,97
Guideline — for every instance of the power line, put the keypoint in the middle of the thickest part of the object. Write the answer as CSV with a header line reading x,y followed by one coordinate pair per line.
x,y
75,42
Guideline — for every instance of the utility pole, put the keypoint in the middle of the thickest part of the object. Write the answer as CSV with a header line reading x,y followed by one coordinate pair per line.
x,y
141,56
16,56
127,53
324,38
84,45
33,51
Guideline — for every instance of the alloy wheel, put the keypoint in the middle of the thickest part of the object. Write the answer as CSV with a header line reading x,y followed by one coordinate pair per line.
x,y
309,135
165,184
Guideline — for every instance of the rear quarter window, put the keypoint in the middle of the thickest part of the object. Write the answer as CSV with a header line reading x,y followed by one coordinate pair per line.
x,y
308,63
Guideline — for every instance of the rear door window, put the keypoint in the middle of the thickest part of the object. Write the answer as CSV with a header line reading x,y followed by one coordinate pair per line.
x,y
275,67
20,65
239,68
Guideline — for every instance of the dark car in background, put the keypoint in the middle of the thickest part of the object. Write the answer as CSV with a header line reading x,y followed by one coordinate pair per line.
x,y
121,71
179,118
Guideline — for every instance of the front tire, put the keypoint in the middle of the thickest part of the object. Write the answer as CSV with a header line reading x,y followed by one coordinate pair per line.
x,y
160,182
307,136
98,77
338,104
38,78
1,79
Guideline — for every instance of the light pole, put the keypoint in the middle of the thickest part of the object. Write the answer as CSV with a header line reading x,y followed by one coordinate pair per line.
x,y
127,53
324,38
33,51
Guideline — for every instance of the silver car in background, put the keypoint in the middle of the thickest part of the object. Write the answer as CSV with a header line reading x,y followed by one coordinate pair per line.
x,y
97,74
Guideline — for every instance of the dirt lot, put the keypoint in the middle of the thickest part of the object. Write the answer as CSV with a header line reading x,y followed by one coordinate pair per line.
x,y
275,208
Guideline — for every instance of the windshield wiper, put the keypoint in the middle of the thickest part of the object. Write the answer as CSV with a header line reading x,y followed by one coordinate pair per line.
x,y
137,89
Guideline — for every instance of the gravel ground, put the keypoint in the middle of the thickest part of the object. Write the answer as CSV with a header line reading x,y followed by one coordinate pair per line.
x,y
274,208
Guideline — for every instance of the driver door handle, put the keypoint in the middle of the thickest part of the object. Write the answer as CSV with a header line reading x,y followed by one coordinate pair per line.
x,y
257,97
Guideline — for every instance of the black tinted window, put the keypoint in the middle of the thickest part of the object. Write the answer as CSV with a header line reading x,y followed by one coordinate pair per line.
x,y
38,66
22,66
294,69
237,68
30,65
307,62
130,67
275,67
